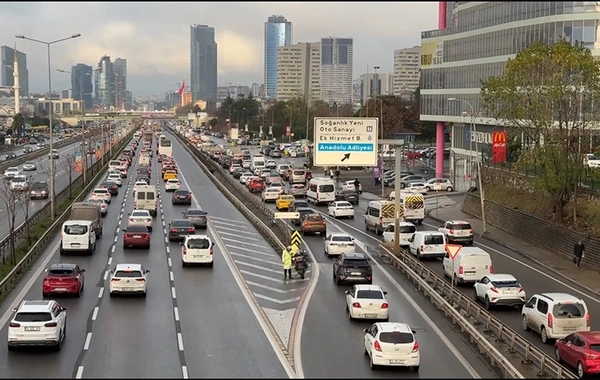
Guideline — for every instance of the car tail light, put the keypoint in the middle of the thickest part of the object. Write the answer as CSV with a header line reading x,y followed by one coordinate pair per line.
x,y
134,204
377,346
422,248
127,236
451,232
147,236
149,220
588,320
306,223
131,219
189,196
51,324
491,268
185,250
384,305
550,321
494,290
211,250
415,347
114,279
591,356
471,231
356,305
461,270
191,230
13,324
173,229
141,279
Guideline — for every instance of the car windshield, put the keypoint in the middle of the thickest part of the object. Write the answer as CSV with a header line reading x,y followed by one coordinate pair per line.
x,y
569,310
434,239
39,186
128,273
198,243
182,224
61,272
341,238
140,213
370,294
182,192
396,337
196,212
76,229
136,229
344,204
506,284
33,317
460,226
356,262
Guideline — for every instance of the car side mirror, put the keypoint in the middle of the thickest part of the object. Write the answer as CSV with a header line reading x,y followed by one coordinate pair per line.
x,y
365,330
123,230
129,214
347,292
212,244
414,331
147,271
63,309
385,293
82,270
180,243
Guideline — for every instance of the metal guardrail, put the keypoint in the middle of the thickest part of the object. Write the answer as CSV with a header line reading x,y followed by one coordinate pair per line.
x,y
421,274
44,151
13,276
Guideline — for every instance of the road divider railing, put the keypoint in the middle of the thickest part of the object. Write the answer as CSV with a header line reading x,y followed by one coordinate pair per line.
x,y
13,277
476,321
46,150
276,234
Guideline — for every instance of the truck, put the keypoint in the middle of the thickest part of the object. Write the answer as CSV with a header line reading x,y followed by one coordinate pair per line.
x,y
413,206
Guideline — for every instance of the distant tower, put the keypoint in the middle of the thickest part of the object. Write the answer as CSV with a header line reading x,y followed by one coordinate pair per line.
x,y
16,82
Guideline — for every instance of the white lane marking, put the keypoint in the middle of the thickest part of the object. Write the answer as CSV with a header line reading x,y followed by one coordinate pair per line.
x,y
101,292
180,341
176,313
95,313
421,312
245,292
112,250
168,250
184,372
171,275
105,275
116,238
173,292
169,262
88,341
79,374
110,259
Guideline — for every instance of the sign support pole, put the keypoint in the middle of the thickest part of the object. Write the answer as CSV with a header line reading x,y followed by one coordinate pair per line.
x,y
397,200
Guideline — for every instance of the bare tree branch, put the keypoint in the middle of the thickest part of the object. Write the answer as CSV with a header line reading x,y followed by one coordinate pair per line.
x,y
10,199
69,164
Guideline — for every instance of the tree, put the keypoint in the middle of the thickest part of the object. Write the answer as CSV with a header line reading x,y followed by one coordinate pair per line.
x,y
551,94
10,198
24,201
395,112
18,122
69,165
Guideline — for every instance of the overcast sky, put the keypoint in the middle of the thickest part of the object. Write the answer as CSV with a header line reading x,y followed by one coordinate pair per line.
x,y
154,37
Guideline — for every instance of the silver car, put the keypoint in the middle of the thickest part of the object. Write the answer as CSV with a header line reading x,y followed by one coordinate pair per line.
x,y
197,216
29,166
298,191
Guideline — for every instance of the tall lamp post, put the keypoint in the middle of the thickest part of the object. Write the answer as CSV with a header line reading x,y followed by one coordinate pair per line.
x,y
48,44
477,160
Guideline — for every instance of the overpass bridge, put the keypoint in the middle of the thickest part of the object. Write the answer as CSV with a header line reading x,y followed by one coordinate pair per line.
x,y
123,116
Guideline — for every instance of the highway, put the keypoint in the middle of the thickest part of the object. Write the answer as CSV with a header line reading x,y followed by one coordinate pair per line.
x,y
194,322
331,345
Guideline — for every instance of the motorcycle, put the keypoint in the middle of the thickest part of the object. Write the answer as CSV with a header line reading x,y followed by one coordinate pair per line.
x,y
300,265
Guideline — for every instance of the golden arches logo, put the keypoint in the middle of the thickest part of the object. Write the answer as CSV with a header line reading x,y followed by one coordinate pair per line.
x,y
499,137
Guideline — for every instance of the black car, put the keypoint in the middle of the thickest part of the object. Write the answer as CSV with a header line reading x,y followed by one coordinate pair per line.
x,y
112,187
27,150
10,156
352,267
180,228
196,216
302,211
143,178
348,196
298,204
182,197
237,173
144,168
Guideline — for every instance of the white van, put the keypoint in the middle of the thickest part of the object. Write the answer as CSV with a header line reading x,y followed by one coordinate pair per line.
x,y
470,265
145,198
77,236
258,164
320,190
426,244
407,231
379,215
297,176
114,165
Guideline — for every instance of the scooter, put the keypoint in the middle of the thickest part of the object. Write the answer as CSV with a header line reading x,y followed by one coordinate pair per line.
x,y
300,265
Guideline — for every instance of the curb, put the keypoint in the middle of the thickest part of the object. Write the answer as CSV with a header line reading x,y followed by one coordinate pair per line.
x,y
540,263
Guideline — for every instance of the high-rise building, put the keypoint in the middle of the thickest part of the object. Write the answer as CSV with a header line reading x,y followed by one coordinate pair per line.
x,y
336,70
105,83
278,32
81,84
375,84
406,71
7,58
120,80
203,63
255,89
299,71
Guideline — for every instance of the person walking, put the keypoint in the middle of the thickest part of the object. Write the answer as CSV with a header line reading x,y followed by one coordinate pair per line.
x,y
286,260
578,253
357,186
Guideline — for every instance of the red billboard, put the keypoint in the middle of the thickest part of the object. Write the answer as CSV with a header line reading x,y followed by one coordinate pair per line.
x,y
499,147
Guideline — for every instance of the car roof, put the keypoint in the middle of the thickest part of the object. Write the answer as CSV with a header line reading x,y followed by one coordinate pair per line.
x,y
140,210
128,266
197,237
368,287
355,255
501,277
63,266
394,326
32,306
558,297
457,222
339,234
593,337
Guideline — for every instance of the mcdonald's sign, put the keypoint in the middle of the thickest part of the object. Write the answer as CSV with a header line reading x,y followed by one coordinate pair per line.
x,y
499,147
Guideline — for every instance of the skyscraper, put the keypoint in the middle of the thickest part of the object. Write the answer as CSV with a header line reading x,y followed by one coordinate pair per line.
x,y
105,83
278,32
6,69
299,71
203,63
406,71
120,73
81,83
336,69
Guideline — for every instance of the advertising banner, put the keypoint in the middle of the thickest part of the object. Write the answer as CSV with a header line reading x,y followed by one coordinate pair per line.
x,y
499,147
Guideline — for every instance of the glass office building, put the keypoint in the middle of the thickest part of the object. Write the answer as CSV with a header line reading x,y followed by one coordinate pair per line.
x,y
278,32
479,39
203,63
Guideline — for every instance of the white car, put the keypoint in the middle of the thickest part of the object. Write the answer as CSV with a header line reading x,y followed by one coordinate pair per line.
x,y
233,167
278,185
270,194
367,302
29,166
140,218
338,209
138,184
246,164
416,187
336,244
11,172
392,344
245,176
172,185
128,279
349,185
270,164
101,194
439,184
197,249
37,323
407,231
116,178
264,173
102,203
499,290
19,183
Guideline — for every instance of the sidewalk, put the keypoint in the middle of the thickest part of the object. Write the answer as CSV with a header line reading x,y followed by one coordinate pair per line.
x,y
559,265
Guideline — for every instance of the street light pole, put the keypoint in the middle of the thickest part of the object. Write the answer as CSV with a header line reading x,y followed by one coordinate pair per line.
x,y
52,169
477,160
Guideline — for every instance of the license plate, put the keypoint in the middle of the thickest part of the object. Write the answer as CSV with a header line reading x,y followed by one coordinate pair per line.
x,y
136,236
182,197
128,289
370,315
470,273
60,289
510,292
396,361
570,328
75,244
342,245
32,328
196,256
355,274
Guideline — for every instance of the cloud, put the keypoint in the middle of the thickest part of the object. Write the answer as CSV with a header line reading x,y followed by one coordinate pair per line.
x,y
154,37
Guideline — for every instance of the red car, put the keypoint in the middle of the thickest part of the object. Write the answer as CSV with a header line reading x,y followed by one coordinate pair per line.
x,y
413,155
63,278
136,237
580,350
256,185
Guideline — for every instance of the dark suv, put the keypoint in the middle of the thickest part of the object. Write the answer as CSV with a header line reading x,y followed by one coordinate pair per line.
x,y
352,267
39,190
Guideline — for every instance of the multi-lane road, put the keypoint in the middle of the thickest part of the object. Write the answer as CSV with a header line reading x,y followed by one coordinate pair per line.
x,y
202,322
